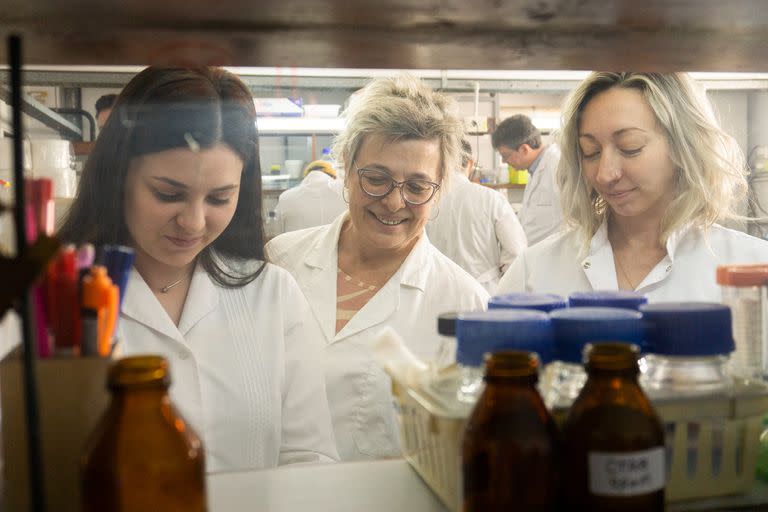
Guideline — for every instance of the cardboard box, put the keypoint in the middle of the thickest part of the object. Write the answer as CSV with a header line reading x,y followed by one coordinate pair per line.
x,y
72,397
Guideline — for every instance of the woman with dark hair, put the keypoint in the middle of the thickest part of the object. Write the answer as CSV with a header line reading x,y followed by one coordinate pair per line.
x,y
175,175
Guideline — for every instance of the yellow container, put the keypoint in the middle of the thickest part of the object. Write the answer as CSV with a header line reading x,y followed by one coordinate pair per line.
x,y
518,177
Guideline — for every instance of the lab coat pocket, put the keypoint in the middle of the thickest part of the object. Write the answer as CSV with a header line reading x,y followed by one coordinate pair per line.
x,y
376,433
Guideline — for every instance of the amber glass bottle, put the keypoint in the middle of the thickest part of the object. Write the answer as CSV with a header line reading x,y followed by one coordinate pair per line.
x,y
143,455
614,442
510,445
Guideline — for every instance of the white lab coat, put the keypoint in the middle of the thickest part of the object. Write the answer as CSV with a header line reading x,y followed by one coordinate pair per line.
x,y
477,228
541,213
316,201
359,392
244,368
560,265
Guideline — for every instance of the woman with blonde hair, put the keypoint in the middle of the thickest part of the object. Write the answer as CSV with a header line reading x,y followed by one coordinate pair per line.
x,y
374,266
646,173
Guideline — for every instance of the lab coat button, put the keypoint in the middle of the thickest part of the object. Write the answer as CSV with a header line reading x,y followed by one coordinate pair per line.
x,y
586,265
669,269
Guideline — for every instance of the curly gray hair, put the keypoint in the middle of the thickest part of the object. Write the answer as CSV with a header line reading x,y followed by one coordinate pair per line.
x,y
401,107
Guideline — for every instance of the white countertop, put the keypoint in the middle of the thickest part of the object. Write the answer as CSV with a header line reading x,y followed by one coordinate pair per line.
x,y
387,485
372,486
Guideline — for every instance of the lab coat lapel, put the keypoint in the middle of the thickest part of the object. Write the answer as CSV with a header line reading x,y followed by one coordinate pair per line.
x,y
412,274
202,299
599,266
663,269
319,280
142,306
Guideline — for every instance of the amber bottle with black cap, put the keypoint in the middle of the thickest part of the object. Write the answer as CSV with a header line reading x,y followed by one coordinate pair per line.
x,y
511,444
614,441
143,455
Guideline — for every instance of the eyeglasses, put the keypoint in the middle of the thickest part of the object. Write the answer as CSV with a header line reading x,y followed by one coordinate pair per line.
x,y
379,184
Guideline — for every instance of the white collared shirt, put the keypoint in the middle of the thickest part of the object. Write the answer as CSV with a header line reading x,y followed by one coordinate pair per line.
x,y
244,368
359,392
315,202
477,228
560,265
541,214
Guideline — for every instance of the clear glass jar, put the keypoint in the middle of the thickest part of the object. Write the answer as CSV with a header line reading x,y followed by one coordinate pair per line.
x,y
574,328
744,290
483,332
562,383
689,346
471,385
675,375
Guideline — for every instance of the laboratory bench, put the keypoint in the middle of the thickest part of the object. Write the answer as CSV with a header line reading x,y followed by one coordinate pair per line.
x,y
375,486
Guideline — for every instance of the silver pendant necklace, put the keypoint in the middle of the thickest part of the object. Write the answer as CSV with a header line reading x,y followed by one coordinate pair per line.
x,y
165,289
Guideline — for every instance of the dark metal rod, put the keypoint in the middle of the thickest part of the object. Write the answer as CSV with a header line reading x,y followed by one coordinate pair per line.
x,y
36,489
80,112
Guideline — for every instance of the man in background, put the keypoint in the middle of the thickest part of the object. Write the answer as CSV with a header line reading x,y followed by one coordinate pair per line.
x,y
476,226
519,143
103,108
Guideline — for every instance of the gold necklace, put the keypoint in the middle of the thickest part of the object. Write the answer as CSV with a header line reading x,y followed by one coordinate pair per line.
x,y
165,289
623,272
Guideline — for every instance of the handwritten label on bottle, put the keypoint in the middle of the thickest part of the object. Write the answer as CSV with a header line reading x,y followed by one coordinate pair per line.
x,y
626,474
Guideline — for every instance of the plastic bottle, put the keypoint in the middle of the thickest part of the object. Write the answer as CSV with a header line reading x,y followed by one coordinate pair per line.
x,y
574,328
745,291
143,455
271,229
607,299
614,441
484,332
511,447
539,301
688,349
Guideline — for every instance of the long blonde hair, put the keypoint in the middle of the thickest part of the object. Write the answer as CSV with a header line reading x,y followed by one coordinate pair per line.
x,y
711,170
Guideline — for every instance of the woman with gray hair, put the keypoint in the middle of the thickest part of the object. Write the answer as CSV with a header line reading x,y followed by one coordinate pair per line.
x,y
374,266
646,173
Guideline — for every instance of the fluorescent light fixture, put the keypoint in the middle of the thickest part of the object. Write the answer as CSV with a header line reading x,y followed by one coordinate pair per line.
x,y
299,125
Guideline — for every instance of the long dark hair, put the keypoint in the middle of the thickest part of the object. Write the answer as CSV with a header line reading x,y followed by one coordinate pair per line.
x,y
166,108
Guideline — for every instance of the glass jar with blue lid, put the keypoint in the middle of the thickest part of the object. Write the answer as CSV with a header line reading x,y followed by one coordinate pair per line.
x,y
689,347
539,301
482,332
626,299
574,328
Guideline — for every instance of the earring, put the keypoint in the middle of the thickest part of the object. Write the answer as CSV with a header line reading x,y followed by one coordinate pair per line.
x,y
344,193
437,209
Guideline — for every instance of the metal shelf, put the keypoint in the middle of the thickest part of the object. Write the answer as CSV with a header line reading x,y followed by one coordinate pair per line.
x,y
40,112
